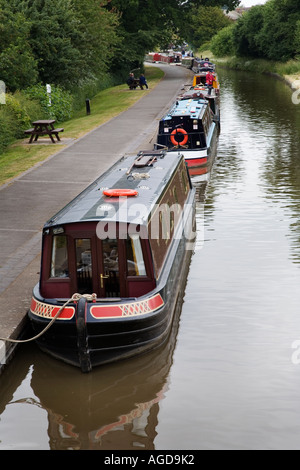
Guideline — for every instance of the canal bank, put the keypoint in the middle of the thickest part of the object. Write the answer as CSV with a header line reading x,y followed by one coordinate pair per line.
x,y
31,199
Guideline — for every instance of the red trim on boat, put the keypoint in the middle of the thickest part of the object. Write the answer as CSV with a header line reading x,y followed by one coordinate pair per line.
x,y
128,309
196,161
41,309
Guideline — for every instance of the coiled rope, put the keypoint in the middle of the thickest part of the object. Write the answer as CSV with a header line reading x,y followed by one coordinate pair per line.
x,y
138,176
75,297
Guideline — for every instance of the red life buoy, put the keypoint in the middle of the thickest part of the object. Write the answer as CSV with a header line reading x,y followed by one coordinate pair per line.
x,y
181,131
120,192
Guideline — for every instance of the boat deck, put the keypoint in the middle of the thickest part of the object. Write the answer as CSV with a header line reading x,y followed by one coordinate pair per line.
x,y
192,108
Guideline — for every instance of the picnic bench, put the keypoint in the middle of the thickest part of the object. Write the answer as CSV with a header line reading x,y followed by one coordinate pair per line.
x,y
134,84
44,127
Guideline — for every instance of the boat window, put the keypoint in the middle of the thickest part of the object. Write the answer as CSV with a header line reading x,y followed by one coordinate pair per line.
x,y
110,255
175,194
184,181
165,224
111,279
59,258
134,254
84,265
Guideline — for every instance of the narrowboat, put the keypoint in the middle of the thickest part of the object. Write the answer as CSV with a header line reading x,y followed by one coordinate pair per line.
x,y
112,262
189,128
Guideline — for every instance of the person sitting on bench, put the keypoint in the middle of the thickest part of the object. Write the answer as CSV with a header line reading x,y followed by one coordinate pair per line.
x,y
131,81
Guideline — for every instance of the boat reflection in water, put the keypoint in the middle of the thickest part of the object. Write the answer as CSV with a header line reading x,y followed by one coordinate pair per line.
x,y
116,407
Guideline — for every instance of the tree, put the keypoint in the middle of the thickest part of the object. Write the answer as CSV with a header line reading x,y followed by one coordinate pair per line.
x,y
18,67
246,31
276,38
147,24
268,31
203,23
222,43
297,38
66,40
98,37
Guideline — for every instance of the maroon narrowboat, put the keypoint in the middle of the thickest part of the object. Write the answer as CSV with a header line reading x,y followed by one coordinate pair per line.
x,y
112,262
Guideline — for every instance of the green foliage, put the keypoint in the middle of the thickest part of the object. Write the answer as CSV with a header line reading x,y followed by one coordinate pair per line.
x,y
297,38
7,128
16,115
147,24
269,31
97,37
245,32
61,102
222,43
55,41
203,23
70,42
21,118
18,67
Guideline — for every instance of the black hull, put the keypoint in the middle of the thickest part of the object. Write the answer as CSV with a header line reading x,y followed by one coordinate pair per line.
x,y
81,344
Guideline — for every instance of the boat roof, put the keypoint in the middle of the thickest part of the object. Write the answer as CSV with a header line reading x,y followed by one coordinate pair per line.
x,y
196,93
194,108
129,172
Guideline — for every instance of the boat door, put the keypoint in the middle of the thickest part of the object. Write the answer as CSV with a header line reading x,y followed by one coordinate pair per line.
x,y
97,267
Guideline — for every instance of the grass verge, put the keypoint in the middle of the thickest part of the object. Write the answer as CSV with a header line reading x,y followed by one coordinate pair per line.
x,y
21,156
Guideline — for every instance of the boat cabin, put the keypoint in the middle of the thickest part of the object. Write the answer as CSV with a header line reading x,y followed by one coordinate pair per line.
x,y
187,125
200,80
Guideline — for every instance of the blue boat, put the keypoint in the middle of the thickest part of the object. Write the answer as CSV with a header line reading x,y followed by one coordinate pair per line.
x,y
189,128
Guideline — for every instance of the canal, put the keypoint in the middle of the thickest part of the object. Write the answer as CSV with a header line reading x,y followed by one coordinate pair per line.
x,y
229,377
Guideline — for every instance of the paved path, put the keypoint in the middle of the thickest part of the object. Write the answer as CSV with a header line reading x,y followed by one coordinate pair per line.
x,y
31,199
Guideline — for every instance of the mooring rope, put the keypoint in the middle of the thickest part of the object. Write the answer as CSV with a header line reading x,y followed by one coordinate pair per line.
x,y
75,297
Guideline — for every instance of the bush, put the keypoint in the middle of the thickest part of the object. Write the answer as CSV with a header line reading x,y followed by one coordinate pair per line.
x,y
16,115
17,109
7,128
61,102
222,44
297,38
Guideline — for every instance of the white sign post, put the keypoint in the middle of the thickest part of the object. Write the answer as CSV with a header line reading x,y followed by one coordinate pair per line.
x,y
48,88
2,92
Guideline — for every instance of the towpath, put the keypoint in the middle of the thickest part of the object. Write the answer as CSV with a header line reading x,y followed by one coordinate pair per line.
x,y
28,201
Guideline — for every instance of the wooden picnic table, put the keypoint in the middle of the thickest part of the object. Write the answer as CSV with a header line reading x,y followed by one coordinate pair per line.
x,y
44,127
134,84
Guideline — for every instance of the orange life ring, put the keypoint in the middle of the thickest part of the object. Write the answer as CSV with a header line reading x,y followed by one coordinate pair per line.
x,y
181,131
120,192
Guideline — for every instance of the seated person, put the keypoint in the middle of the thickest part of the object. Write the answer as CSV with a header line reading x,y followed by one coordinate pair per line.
x,y
131,81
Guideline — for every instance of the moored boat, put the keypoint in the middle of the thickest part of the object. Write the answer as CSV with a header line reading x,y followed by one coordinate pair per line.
x,y
203,65
189,128
112,260
199,80
200,89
